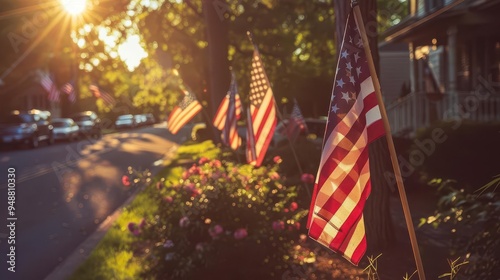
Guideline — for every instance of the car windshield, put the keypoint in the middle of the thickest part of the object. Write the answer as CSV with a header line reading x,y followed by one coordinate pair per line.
x,y
81,118
17,119
125,117
60,124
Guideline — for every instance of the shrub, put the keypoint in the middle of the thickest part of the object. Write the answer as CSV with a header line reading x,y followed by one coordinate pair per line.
x,y
475,219
220,220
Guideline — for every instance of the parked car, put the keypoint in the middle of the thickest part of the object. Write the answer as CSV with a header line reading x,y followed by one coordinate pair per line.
x,y
65,129
89,123
140,120
125,121
30,127
150,119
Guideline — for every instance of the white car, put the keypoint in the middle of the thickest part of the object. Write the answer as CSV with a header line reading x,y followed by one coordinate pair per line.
x,y
65,129
125,121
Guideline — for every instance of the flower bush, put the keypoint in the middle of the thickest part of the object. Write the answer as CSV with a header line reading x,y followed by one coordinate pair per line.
x,y
221,221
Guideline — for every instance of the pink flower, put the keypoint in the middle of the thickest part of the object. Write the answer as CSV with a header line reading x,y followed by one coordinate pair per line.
x,y
294,206
168,199
216,163
307,178
125,180
195,192
277,159
302,238
240,233
189,187
184,222
215,231
133,228
185,175
278,225
194,170
200,247
203,160
274,176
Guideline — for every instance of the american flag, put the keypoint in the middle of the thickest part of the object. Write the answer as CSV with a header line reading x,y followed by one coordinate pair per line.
x,y
49,86
227,114
261,120
69,89
184,112
296,123
343,181
106,97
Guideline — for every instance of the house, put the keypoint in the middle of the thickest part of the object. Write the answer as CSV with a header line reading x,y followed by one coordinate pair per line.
x,y
454,63
394,71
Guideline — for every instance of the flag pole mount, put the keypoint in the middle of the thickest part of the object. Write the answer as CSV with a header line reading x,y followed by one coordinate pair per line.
x,y
390,142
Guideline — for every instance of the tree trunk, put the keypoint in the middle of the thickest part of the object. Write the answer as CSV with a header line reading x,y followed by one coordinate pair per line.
x,y
218,64
378,221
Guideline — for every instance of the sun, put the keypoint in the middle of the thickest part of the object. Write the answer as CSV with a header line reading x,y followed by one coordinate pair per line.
x,y
74,7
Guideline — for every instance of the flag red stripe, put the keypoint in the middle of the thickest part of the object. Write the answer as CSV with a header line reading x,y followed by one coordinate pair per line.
x,y
360,249
181,117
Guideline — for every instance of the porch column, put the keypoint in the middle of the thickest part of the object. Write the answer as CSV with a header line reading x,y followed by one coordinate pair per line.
x,y
452,68
413,78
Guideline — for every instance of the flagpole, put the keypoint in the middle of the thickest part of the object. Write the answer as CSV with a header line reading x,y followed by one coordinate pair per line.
x,y
390,142
250,37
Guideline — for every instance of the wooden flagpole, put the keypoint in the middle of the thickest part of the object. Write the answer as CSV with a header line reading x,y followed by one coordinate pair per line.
x,y
390,142
250,36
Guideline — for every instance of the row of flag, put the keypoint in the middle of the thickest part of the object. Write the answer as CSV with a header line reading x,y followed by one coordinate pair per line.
x,y
54,93
261,114
342,183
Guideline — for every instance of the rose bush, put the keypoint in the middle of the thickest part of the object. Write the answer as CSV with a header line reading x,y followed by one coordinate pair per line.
x,y
220,220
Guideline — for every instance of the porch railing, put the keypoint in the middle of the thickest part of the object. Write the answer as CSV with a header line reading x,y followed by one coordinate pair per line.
x,y
420,110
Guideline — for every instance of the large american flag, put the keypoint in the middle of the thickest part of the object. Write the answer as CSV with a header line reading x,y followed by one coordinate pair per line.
x,y
227,114
106,97
343,180
296,123
69,89
184,112
49,86
261,120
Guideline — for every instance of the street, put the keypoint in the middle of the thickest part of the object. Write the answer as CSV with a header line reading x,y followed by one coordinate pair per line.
x,y
64,191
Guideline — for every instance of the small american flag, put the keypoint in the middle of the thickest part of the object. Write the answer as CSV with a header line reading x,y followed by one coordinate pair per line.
x,y
106,97
296,123
69,89
343,181
227,114
49,86
261,121
184,112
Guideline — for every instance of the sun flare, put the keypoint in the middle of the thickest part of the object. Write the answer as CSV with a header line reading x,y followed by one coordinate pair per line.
x,y
74,7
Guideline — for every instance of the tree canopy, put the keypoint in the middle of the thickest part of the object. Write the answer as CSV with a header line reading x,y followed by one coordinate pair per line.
x,y
295,38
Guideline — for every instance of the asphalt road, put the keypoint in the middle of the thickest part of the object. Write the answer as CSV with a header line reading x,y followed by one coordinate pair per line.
x,y
64,191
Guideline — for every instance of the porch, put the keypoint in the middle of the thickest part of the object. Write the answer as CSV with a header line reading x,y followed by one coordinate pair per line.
x,y
419,110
